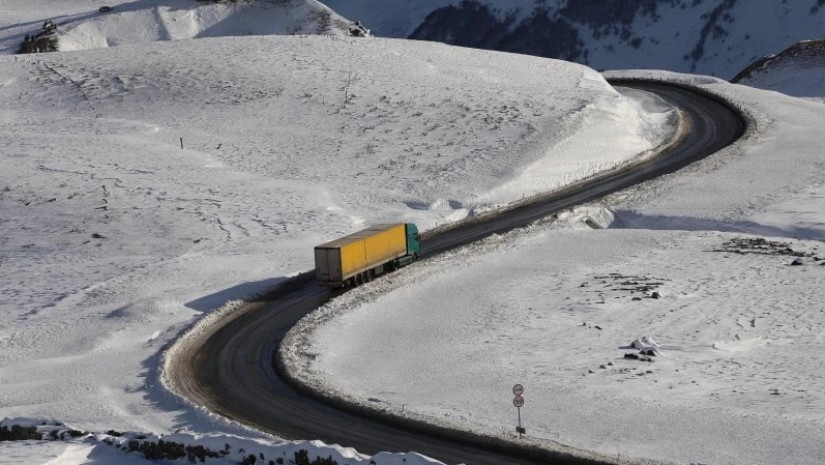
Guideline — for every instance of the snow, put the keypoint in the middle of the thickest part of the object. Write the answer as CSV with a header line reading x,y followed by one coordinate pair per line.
x,y
802,82
737,371
114,447
796,71
81,26
115,241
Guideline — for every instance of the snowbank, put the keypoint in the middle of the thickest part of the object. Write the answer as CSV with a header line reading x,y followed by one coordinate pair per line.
x,y
61,444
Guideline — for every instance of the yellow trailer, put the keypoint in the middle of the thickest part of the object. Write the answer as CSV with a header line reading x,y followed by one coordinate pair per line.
x,y
363,255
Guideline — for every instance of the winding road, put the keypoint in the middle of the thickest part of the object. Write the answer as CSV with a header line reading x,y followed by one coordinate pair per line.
x,y
231,369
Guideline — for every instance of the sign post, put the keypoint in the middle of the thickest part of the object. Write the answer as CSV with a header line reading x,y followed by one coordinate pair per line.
x,y
518,402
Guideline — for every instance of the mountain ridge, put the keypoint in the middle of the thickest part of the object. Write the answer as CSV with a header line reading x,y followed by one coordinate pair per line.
x,y
797,71
717,38
143,21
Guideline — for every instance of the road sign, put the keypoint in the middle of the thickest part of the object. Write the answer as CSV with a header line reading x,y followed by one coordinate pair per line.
x,y
518,402
518,390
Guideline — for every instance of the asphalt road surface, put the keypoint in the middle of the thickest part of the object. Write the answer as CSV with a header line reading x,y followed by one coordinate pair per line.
x,y
231,370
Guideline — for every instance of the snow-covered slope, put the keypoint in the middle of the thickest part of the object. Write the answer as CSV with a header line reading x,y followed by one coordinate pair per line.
x,y
734,324
114,238
797,71
136,22
62,444
718,37
146,185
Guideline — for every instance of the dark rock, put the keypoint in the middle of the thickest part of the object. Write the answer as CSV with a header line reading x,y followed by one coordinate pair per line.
x,y
631,356
649,351
19,433
41,42
104,9
655,295
796,262
356,30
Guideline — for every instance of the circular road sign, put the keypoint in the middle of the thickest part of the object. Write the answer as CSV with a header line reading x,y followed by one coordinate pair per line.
x,y
518,401
518,390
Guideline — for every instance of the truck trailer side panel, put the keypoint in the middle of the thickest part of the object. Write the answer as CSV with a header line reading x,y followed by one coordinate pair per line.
x,y
372,247
343,258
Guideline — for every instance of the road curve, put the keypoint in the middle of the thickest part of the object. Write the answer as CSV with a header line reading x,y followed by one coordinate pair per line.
x,y
231,368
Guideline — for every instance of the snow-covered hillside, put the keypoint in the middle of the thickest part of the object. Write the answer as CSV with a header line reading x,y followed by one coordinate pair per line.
x,y
145,185
718,38
82,25
732,320
797,71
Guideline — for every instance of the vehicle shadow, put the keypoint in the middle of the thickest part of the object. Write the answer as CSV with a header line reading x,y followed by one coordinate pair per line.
x,y
246,291
158,394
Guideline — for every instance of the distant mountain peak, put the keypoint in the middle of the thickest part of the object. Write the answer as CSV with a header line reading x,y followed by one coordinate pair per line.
x,y
718,38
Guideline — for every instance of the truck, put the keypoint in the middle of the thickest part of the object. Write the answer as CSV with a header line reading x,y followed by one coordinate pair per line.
x,y
361,256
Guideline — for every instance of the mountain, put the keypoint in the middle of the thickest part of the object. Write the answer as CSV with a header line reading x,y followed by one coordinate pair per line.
x,y
699,36
145,21
796,71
